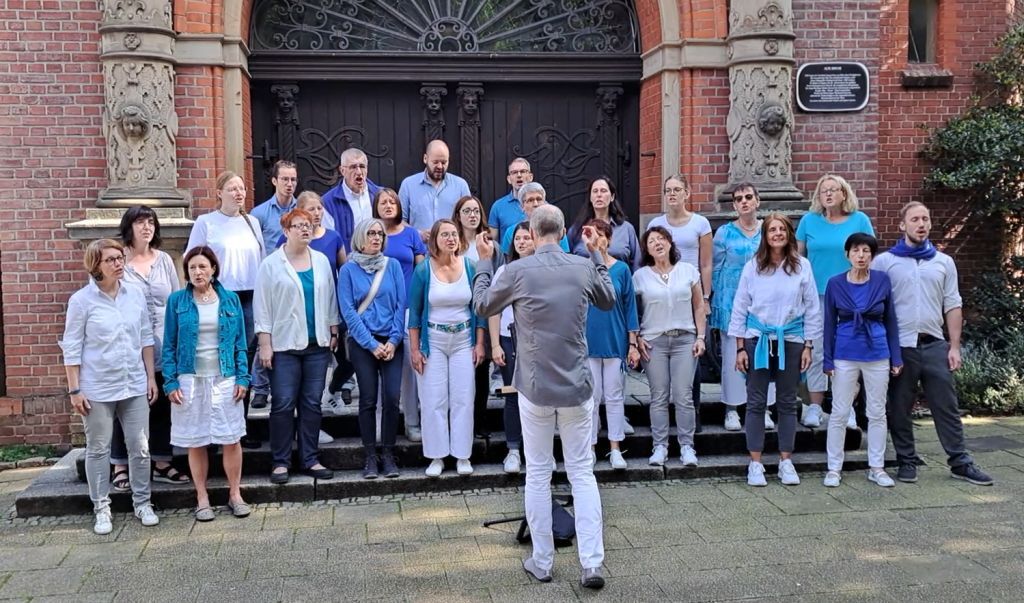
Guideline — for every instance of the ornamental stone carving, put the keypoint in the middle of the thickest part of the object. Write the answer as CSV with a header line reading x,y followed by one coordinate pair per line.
x,y
433,110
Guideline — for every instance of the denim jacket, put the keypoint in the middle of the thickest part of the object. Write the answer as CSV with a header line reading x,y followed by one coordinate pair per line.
x,y
181,334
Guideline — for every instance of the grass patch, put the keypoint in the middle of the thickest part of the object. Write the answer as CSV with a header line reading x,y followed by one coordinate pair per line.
x,y
19,452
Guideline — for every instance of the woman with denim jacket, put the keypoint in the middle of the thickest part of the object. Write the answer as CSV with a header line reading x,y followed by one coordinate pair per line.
x,y
447,342
206,376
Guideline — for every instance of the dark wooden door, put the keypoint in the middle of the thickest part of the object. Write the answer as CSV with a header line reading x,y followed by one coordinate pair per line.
x,y
570,133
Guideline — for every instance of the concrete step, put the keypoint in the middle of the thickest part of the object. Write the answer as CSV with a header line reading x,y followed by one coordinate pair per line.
x,y
346,453
58,491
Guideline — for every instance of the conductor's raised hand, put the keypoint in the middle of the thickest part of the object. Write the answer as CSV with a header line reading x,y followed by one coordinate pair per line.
x,y
590,238
484,249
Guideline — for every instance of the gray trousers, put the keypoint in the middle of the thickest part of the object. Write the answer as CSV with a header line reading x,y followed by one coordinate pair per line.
x,y
787,380
928,364
670,376
99,428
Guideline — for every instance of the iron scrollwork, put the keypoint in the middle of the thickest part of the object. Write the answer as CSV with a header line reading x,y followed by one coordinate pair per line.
x,y
321,151
595,26
561,156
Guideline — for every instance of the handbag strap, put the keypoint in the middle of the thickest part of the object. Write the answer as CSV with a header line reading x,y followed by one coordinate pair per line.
x,y
372,293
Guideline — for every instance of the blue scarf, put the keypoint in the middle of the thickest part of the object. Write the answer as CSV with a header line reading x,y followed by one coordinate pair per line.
x,y
761,350
925,252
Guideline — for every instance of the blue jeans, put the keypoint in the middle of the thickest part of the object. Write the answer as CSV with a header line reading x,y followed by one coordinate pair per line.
x,y
369,372
297,382
513,426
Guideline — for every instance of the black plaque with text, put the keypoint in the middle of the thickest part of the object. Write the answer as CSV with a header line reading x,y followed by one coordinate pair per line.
x,y
835,86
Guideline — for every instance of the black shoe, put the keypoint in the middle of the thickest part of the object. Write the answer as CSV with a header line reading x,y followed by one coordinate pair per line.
x,y
258,401
370,465
250,442
388,466
321,473
279,478
907,473
346,395
971,473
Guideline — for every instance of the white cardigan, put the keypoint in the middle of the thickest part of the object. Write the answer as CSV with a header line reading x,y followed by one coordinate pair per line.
x,y
279,304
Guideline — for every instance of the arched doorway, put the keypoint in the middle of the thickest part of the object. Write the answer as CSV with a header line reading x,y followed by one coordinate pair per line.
x,y
556,82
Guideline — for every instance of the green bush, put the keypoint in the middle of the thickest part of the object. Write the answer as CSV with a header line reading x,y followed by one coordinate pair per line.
x,y
991,382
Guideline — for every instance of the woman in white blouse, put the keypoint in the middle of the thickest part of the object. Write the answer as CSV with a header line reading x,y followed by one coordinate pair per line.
x,y
237,240
295,309
672,331
775,317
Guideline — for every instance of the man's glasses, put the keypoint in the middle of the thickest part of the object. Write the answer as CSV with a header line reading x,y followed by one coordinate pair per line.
x,y
515,173
747,196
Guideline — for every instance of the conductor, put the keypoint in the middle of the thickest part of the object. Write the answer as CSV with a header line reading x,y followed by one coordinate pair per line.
x,y
549,293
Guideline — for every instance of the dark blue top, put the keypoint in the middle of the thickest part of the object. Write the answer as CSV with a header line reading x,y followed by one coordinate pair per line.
x,y
306,277
608,330
337,205
860,321
329,245
404,247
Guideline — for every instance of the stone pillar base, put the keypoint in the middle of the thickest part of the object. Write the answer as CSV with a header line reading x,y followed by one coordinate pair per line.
x,y
151,197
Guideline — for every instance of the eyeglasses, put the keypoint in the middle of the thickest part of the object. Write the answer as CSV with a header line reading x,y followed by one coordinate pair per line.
x,y
469,211
518,172
448,235
114,260
375,233
747,196
356,166
302,226
674,191
828,191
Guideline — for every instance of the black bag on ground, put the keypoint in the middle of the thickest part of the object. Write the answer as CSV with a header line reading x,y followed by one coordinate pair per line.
x,y
563,525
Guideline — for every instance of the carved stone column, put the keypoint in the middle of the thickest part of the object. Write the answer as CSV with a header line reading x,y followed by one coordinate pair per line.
x,y
470,94
433,94
760,122
609,126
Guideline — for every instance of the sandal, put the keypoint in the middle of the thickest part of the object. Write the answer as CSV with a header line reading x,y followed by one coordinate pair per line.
x,y
205,514
169,475
120,481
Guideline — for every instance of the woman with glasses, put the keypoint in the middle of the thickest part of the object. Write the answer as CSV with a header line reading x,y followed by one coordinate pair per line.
x,y
820,236
447,344
375,316
295,309
108,357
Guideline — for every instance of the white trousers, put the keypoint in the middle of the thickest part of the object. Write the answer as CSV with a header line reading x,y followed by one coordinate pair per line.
x,y
446,390
609,387
734,383
574,429
817,381
844,390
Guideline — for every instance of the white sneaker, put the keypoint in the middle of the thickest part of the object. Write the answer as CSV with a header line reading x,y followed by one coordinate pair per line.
x,y
688,457
464,467
513,464
881,478
659,457
732,421
325,438
103,525
787,473
413,433
832,479
332,405
755,474
147,515
812,415
435,468
851,423
615,458
627,428
768,423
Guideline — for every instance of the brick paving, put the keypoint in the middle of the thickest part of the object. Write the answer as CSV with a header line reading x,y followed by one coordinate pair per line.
x,y
699,540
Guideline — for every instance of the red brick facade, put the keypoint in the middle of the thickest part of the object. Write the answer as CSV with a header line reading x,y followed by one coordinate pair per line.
x,y
53,164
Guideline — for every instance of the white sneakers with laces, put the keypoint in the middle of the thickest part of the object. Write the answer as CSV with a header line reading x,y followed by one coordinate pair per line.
x,y
435,468
732,421
787,473
513,464
659,457
103,525
688,456
147,515
616,460
812,415
755,475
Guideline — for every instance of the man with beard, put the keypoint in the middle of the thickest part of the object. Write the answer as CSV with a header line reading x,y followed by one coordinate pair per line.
x,y
284,178
506,212
925,294
351,200
430,195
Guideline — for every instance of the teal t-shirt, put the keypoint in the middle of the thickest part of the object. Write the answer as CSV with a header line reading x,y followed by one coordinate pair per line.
x,y
306,278
826,241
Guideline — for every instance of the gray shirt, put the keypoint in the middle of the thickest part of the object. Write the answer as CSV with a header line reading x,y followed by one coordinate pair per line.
x,y
549,292
157,287
923,291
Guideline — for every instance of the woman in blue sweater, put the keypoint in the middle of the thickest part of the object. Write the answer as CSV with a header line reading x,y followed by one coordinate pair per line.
x,y
375,316
861,339
611,340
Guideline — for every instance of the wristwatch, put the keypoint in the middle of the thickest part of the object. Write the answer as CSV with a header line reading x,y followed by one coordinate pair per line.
x,y
74,391
809,344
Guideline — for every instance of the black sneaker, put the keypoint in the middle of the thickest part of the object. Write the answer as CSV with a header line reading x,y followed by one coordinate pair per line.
x,y
388,467
259,401
907,473
971,473
370,466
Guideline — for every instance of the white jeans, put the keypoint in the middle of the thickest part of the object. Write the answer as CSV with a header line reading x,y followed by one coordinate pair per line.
x,y
609,387
734,383
574,429
844,390
817,381
446,390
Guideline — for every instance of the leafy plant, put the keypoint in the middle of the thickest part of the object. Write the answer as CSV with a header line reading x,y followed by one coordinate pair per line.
x,y
20,452
991,382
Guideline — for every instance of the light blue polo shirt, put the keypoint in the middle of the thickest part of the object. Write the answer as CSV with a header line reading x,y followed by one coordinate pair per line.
x,y
423,203
269,215
505,213
826,243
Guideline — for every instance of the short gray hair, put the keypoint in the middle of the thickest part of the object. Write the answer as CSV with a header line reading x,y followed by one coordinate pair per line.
x,y
531,187
519,160
351,153
359,237
547,221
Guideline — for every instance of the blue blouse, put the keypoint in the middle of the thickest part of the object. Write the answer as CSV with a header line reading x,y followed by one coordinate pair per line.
x,y
731,250
386,314
608,330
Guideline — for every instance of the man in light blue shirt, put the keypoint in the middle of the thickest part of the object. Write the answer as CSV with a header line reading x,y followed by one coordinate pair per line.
x,y
506,212
430,195
285,177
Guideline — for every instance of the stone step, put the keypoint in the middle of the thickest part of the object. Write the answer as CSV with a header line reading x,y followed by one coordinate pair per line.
x,y
346,453
58,491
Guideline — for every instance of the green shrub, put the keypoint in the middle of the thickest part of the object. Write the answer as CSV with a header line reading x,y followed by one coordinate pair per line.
x,y
991,382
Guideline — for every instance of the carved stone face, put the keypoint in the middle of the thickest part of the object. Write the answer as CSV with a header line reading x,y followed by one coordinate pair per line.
x,y
433,102
133,122
771,119
470,103
285,101
609,102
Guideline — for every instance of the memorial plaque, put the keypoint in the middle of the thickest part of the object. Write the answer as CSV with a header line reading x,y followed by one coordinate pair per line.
x,y
834,86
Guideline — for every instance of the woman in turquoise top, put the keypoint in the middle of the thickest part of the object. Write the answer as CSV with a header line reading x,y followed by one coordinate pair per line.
x,y
611,341
733,246
821,235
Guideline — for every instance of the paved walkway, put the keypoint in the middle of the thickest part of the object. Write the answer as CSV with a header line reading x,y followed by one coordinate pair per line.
x,y
937,540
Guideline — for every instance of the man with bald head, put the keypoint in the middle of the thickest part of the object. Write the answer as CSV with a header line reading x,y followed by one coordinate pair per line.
x,y
351,200
431,194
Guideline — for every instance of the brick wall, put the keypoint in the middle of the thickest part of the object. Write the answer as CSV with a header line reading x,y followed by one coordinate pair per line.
x,y
705,143
650,155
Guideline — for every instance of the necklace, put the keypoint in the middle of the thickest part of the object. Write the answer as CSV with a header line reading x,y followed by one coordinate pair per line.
x,y
745,229
664,275
207,296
